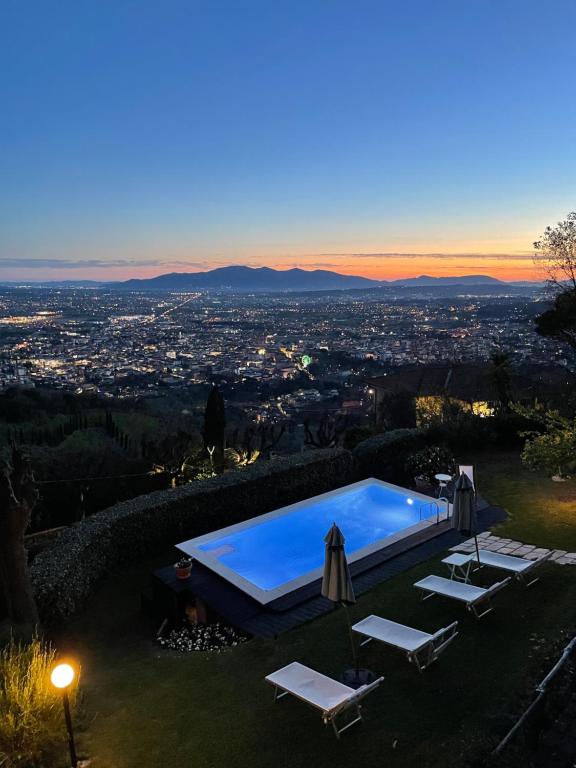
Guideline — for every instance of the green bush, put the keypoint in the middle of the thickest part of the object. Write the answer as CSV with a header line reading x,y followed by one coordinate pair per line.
x,y
464,432
431,461
384,456
32,729
64,575
355,435
553,453
551,446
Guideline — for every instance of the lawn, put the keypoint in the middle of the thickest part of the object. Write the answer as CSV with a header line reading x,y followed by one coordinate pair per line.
x,y
540,511
144,706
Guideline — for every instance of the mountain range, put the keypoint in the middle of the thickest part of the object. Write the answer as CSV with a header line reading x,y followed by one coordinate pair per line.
x,y
250,279
265,279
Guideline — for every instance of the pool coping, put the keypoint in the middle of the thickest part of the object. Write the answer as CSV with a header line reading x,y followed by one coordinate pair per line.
x,y
265,597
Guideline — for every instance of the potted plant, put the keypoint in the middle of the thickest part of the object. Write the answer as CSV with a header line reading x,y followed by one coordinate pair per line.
x,y
183,568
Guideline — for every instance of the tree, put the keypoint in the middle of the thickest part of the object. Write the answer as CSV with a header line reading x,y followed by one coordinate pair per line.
x,y
215,424
501,378
554,450
556,253
18,496
328,432
174,454
397,410
256,443
559,323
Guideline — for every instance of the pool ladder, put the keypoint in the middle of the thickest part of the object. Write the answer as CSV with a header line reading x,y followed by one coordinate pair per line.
x,y
434,506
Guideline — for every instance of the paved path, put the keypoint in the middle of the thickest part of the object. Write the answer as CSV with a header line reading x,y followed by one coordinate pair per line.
x,y
493,543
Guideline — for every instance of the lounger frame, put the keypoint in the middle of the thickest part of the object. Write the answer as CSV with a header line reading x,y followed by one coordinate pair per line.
x,y
520,576
329,716
425,654
482,601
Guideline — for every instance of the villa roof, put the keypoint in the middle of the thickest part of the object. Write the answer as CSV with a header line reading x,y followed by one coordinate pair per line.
x,y
472,382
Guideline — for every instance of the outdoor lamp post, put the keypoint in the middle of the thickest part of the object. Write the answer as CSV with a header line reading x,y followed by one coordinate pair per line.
x,y
372,393
62,677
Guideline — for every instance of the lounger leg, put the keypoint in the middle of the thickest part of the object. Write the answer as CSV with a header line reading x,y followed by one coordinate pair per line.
x,y
357,719
279,695
472,608
428,596
416,659
528,583
422,664
335,727
365,642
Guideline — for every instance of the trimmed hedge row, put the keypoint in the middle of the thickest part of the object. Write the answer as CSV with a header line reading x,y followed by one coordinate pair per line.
x,y
384,456
64,575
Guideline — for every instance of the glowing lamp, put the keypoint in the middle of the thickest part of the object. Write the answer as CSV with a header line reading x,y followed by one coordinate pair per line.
x,y
62,676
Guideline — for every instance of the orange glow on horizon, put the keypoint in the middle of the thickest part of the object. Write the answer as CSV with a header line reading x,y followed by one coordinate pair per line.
x,y
397,269
506,260
503,269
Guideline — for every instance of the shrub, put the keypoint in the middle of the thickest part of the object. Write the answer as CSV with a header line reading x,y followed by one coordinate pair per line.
x,y
384,456
397,410
64,575
553,453
355,435
554,450
431,461
31,722
464,431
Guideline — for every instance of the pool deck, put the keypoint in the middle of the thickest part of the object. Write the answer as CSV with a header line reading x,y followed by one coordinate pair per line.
x,y
304,604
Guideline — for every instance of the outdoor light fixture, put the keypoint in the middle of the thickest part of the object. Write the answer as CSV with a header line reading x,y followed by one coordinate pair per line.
x,y
61,678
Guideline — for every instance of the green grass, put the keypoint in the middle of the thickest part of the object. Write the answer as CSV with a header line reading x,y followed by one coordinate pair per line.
x,y
540,511
144,706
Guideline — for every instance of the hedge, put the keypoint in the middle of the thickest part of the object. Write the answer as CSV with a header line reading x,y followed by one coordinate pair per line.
x,y
64,575
384,456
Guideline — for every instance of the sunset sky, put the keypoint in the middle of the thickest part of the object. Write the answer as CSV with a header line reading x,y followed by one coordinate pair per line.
x,y
386,138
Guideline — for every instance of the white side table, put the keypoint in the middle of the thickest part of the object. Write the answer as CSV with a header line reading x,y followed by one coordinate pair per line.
x,y
459,566
443,481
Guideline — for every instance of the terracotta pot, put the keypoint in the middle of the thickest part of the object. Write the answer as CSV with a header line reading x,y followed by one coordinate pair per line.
x,y
183,573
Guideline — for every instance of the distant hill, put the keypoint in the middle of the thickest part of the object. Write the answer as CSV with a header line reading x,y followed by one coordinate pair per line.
x,y
264,279
248,279
427,280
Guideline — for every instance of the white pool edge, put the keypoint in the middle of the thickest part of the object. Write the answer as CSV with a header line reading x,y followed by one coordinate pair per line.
x,y
192,546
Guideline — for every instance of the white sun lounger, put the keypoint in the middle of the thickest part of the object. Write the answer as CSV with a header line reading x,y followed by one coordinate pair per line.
x,y
420,647
475,598
517,566
328,695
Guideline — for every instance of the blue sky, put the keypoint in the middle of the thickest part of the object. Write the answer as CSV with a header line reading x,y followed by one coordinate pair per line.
x,y
382,138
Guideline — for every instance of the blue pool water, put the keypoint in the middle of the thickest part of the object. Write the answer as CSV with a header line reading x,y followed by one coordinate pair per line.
x,y
277,550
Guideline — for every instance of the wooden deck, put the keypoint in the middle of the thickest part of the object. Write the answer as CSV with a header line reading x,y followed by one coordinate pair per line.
x,y
306,603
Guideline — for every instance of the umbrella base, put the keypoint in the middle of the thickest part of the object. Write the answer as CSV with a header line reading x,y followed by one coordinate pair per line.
x,y
356,678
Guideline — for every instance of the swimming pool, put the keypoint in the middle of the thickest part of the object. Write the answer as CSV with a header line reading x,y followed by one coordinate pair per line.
x,y
273,554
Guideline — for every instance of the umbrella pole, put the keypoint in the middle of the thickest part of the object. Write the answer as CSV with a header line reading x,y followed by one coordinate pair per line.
x,y
352,643
477,550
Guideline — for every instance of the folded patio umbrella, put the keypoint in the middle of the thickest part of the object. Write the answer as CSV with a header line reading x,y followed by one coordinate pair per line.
x,y
336,581
337,587
464,509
